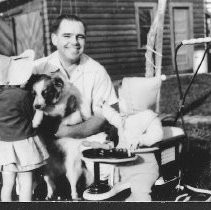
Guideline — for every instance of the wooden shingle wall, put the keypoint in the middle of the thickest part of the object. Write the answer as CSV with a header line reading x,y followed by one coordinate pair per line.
x,y
112,33
38,38
112,36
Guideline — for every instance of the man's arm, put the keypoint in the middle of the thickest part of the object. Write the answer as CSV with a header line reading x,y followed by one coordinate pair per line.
x,y
102,90
82,130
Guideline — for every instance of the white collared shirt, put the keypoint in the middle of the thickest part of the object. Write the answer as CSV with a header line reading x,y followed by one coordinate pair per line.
x,y
89,77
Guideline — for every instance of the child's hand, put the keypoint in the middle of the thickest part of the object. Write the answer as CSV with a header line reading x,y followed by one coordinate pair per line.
x,y
134,145
132,141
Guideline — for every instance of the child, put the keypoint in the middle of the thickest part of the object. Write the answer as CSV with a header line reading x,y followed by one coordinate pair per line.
x,y
21,150
137,126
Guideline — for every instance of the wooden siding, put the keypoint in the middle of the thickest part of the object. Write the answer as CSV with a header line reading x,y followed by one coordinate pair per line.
x,y
29,34
15,8
112,33
7,40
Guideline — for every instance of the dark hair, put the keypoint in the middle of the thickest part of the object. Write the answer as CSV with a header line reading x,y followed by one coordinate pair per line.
x,y
60,18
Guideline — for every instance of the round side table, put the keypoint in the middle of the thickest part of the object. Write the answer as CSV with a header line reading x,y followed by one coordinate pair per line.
x,y
99,190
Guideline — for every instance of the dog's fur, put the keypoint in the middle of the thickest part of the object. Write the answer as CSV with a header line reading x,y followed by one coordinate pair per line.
x,y
57,98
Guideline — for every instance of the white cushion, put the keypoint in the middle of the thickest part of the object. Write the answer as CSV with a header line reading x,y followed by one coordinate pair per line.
x,y
170,131
140,93
17,69
4,66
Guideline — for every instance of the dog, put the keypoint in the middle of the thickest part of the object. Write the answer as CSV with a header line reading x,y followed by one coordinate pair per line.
x,y
55,97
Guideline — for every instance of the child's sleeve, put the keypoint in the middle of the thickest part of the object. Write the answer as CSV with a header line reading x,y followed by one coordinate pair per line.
x,y
153,134
112,116
27,107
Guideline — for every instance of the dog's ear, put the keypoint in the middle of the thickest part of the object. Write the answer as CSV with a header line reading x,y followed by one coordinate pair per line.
x,y
58,82
31,81
72,104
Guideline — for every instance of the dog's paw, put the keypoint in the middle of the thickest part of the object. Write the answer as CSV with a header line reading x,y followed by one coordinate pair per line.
x,y
49,196
75,197
50,187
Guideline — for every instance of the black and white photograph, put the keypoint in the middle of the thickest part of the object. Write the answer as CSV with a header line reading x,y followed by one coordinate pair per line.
x,y
105,101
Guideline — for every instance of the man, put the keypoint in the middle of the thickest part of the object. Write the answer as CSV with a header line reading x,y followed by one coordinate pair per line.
x,y
94,84
91,79
86,74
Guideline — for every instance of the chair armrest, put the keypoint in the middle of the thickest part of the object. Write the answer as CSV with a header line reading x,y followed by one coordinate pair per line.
x,y
169,142
172,136
167,119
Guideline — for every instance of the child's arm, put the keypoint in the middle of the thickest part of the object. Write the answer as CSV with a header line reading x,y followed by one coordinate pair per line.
x,y
115,119
142,129
110,114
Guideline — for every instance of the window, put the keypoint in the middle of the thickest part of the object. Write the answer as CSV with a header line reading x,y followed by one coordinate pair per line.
x,y
144,14
181,25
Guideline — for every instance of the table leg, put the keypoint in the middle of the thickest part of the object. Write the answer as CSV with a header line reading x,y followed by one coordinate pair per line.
x,y
98,187
96,173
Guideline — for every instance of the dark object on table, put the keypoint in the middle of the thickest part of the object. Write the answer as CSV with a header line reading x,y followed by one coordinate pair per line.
x,y
114,153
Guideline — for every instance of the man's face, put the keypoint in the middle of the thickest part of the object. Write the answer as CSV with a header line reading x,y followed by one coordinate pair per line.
x,y
70,40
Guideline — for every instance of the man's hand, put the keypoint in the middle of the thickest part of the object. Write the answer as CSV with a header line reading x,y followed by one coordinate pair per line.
x,y
96,145
63,131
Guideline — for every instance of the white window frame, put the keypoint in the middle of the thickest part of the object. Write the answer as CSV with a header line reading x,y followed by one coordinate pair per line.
x,y
138,5
173,5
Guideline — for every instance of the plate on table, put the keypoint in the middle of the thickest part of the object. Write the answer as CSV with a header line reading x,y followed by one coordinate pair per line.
x,y
108,156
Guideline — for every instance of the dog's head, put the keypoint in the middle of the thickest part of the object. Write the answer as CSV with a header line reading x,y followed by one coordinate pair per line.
x,y
46,90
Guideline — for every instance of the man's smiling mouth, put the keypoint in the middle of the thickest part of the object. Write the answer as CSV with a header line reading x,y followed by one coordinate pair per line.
x,y
72,47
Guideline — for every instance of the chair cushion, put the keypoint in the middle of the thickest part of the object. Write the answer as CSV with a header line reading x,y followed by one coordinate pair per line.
x,y
140,93
4,65
170,131
17,69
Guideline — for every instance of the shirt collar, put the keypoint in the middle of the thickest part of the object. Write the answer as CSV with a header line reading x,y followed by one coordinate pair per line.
x,y
55,62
